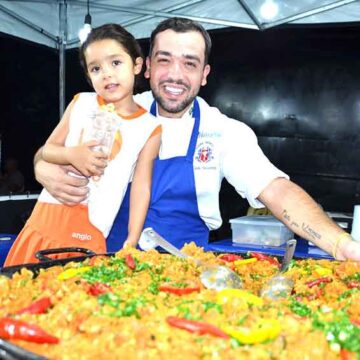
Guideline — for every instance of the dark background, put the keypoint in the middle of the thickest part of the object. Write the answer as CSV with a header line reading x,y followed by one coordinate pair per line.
x,y
297,87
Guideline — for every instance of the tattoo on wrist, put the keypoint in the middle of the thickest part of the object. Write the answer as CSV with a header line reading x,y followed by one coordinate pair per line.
x,y
310,231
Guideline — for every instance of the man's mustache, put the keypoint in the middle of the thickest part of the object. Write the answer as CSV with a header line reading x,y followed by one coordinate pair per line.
x,y
175,82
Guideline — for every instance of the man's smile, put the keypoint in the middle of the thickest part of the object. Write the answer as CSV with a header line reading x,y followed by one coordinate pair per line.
x,y
174,90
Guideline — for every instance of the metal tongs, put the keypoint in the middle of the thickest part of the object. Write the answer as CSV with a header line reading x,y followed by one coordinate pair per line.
x,y
213,277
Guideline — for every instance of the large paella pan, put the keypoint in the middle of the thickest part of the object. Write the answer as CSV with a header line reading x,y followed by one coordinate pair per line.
x,y
147,305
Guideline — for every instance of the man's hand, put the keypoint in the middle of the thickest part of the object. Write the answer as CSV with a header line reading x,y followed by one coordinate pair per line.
x,y
69,190
348,250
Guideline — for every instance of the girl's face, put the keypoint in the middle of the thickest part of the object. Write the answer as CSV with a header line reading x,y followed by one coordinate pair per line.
x,y
112,71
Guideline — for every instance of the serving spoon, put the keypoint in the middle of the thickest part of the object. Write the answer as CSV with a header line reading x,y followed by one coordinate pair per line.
x,y
280,286
215,277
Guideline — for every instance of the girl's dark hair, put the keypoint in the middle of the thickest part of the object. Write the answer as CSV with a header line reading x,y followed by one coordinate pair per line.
x,y
111,32
182,25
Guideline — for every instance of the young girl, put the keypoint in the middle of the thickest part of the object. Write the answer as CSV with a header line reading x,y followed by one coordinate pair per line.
x,y
111,58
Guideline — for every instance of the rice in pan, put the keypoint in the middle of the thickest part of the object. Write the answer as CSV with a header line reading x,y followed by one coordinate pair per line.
x,y
146,305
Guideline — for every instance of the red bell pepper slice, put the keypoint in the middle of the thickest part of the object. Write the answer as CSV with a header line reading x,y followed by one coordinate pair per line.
x,y
130,262
346,354
319,281
230,257
353,284
97,260
98,288
179,290
355,321
196,327
37,307
263,257
12,329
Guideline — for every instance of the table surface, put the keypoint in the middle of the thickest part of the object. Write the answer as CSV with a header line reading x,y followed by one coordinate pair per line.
x,y
303,249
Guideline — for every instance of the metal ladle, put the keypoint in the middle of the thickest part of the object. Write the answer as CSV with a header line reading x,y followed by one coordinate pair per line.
x,y
215,277
280,286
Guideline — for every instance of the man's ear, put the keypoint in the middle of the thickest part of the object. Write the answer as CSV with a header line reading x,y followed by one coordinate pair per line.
x,y
147,71
206,72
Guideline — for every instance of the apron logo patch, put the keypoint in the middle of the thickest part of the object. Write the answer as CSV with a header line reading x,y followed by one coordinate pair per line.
x,y
204,152
81,237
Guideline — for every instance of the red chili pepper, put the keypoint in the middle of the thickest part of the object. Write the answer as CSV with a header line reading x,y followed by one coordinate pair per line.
x,y
353,284
179,290
319,281
197,327
130,262
98,289
230,257
263,257
37,307
12,329
355,321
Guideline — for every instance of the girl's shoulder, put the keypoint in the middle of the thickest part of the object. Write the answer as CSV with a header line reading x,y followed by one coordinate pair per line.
x,y
84,96
143,113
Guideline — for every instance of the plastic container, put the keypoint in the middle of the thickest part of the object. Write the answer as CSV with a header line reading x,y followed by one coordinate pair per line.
x,y
6,241
263,230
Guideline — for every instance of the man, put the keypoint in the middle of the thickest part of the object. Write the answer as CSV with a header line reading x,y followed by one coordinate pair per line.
x,y
200,146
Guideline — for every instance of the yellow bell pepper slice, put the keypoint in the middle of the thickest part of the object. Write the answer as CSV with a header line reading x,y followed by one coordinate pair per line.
x,y
70,273
245,261
227,295
263,330
322,271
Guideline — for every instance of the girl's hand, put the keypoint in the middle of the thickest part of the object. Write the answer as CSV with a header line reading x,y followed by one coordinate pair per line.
x,y
88,161
130,243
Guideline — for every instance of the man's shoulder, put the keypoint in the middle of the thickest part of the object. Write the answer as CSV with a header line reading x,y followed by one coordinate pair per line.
x,y
212,114
144,99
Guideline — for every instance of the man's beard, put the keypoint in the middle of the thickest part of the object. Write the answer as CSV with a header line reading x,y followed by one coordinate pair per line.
x,y
173,107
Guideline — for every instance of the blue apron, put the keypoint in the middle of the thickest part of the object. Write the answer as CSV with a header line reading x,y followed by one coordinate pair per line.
x,y
173,211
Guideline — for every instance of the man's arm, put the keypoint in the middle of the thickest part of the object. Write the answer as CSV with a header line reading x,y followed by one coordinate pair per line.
x,y
297,210
67,189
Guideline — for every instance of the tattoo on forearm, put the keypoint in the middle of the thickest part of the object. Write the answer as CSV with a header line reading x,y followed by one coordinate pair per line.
x,y
306,228
288,219
311,231
286,216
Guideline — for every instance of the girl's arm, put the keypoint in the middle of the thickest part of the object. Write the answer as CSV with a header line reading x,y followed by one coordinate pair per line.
x,y
85,160
141,189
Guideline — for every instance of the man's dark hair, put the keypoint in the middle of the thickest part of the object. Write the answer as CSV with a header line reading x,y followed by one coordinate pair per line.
x,y
182,25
